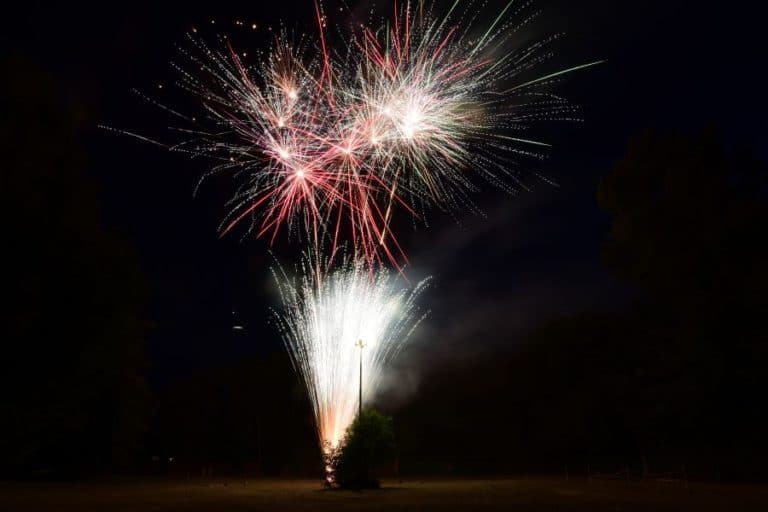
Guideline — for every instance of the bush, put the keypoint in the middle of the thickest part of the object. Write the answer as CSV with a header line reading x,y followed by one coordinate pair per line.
x,y
368,443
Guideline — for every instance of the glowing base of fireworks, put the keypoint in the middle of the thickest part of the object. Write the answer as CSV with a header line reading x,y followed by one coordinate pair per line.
x,y
329,464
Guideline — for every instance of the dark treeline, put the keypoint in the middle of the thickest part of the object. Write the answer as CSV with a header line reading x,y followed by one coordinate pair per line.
x,y
253,417
675,380
72,392
673,383
74,395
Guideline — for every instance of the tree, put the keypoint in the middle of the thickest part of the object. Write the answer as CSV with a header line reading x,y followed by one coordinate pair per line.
x,y
688,229
687,219
73,398
368,443
240,416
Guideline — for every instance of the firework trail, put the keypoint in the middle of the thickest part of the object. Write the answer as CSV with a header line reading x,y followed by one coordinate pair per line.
x,y
324,317
413,113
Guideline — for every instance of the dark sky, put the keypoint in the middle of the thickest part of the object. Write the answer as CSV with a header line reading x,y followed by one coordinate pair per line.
x,y
670,65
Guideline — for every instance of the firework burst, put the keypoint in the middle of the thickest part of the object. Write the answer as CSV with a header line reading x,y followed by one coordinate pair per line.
x,y
406,117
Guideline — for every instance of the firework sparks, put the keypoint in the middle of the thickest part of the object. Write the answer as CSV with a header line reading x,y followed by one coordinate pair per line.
x,y
406,118
325,316
331,137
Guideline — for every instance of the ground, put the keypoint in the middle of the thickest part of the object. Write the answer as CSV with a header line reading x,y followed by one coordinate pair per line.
x,y
518,494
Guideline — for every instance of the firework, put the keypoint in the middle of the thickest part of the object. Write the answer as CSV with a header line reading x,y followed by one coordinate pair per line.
x,y
325,316
406,117
332,135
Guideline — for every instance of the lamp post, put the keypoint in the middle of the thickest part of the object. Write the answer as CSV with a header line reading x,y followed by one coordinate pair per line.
x,y
360,344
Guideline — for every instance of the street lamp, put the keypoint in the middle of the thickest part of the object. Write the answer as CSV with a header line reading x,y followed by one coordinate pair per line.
x,y
360,344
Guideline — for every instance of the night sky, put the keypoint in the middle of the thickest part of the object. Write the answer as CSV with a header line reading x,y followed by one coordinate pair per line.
x,y
670,65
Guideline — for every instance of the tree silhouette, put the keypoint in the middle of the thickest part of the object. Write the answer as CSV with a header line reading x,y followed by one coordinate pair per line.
x,y
687,219
73,395
688,229
368,442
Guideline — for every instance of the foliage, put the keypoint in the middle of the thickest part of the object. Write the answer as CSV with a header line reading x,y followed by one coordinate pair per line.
x,y
248,416
74,399
369,442
687,216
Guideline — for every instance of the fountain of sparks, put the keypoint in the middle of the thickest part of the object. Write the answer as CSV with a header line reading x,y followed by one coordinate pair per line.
x,y
325,318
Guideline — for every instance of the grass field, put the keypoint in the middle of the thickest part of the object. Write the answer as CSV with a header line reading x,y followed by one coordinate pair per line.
x,y
517,494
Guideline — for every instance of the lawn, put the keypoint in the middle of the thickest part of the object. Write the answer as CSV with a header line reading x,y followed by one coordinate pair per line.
x,y
518,494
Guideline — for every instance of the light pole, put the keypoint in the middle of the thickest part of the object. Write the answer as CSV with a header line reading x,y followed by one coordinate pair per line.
x,y
360,344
